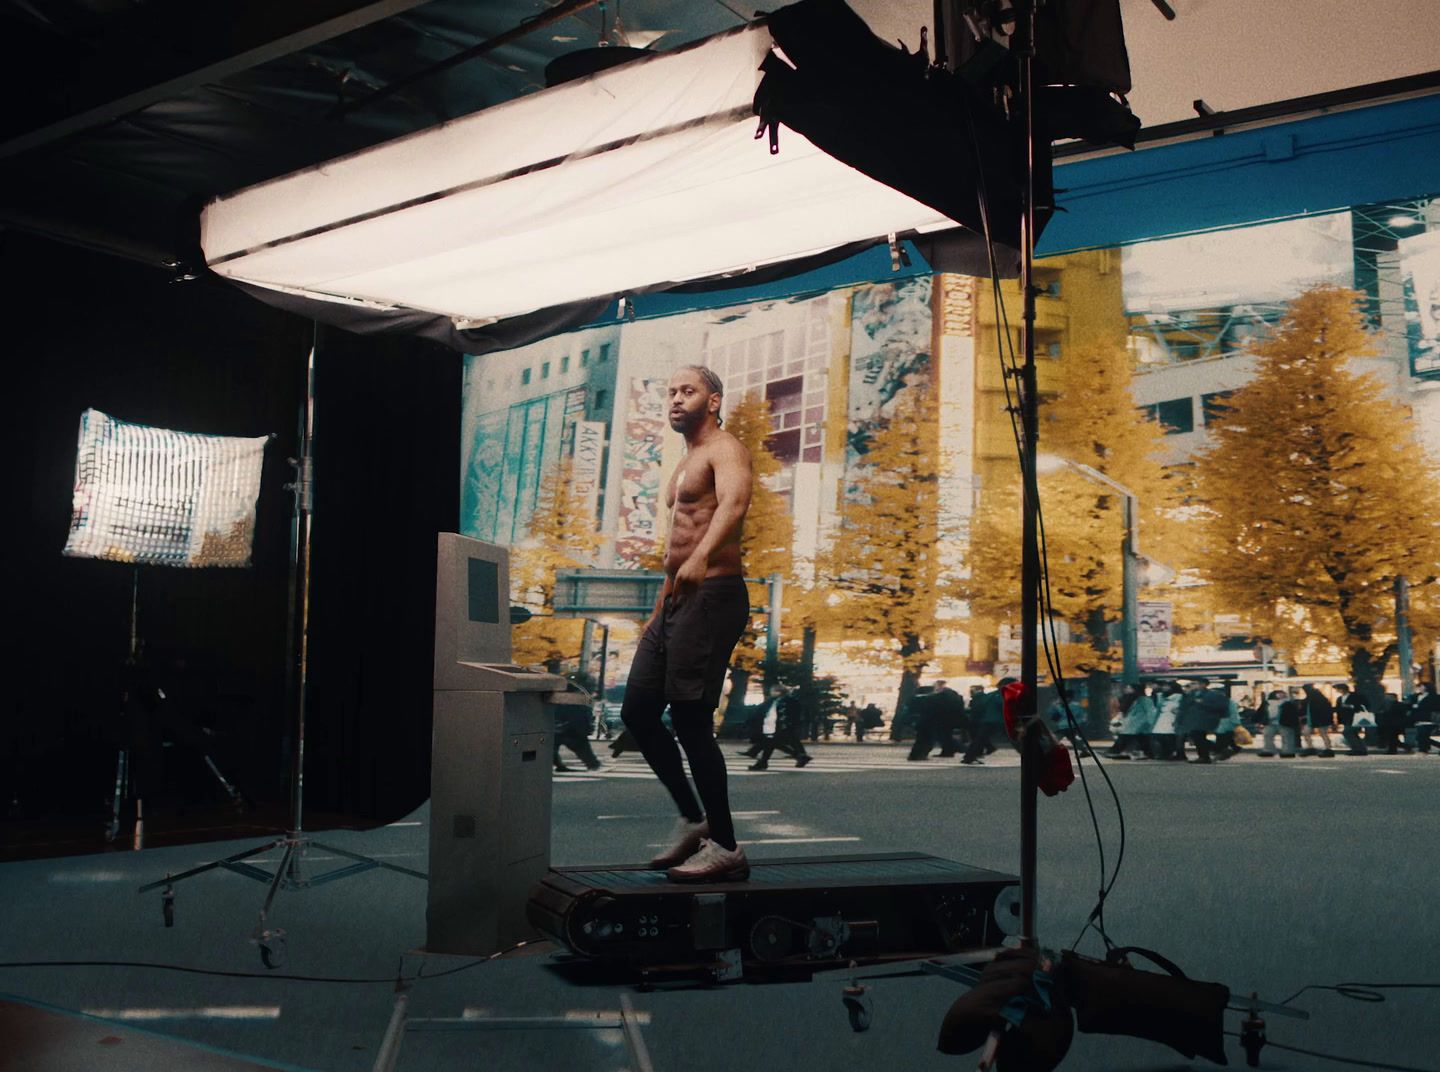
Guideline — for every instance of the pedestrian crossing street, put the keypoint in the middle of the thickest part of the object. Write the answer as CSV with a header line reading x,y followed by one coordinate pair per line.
x,y
832,759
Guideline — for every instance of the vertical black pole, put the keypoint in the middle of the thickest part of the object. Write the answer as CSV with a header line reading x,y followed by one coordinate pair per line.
x,y
135,614
942,53
1403,650
1029,533
303,487
604,657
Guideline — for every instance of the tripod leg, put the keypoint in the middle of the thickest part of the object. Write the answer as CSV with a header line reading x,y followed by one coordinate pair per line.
x,y
230,863
230,790
282,872
369,861
394,1036
112,829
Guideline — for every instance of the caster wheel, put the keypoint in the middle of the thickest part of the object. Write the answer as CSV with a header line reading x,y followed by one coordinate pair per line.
x,y
272,948
857,1007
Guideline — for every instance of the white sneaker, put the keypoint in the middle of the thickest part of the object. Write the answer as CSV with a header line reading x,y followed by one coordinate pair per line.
x,y
685,839
712,864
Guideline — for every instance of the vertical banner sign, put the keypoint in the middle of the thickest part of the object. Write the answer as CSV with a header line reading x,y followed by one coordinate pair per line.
x,y
585,469
573,413
163,498
1420,264
640,472
1152,634
955,301
890,334
480,486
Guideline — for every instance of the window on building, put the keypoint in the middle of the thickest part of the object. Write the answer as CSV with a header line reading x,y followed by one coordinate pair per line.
x,y
600,399
785,446
545,370
1213,405
524,376
584,358
565,364
1175,416
604,354
785,395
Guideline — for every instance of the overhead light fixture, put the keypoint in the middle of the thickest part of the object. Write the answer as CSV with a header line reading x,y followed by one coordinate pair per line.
x,y
1402,220
644,172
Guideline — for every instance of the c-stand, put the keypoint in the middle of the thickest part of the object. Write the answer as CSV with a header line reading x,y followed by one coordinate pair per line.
x,y
295,843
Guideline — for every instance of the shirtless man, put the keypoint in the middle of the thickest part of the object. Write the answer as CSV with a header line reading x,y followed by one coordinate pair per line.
x,y
685,648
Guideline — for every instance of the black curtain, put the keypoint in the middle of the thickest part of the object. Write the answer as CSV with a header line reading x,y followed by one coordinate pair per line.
x,y
387,463
91,330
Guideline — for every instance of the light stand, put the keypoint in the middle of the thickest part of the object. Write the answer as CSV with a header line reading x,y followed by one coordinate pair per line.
x,y
295,843
122,754
1031,734
1051,1025
130,705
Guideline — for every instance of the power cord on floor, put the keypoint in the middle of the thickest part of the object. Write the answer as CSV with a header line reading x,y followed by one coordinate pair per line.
x,y
218,973
1367,992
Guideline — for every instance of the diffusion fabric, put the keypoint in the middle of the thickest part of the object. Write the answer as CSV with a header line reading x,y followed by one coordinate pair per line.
x,y
164,498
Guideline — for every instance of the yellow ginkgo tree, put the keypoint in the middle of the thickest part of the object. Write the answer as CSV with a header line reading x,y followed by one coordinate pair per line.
x,y
1317,496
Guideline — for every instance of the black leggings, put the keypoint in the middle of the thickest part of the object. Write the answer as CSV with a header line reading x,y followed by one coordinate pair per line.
x,y
641,713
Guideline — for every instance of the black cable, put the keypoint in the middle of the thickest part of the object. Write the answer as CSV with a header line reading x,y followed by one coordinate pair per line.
x,y
1007,370
1366,992
1051,643
1365,1063
1342,988
219,973
1048,635
157,966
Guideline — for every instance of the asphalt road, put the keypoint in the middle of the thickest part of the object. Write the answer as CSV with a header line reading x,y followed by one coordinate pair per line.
x,y
1263,874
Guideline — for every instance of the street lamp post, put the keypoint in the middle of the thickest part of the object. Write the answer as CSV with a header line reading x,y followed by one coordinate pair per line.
x,y
1129,562
586,658
1129,597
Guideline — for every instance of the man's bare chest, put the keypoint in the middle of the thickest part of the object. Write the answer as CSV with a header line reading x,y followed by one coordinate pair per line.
x,y
693,483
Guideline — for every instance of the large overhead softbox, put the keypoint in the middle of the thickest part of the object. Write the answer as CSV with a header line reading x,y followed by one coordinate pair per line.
x,y
636,178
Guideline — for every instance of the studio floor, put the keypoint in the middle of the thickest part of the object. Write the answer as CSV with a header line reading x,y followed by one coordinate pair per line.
x,y
1264,876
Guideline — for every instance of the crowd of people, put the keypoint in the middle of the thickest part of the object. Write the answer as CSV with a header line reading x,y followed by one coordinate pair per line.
x,y
941,719
1294,721
1193,720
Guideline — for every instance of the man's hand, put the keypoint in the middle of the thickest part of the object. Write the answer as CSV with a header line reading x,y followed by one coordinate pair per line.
x,y
688,577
